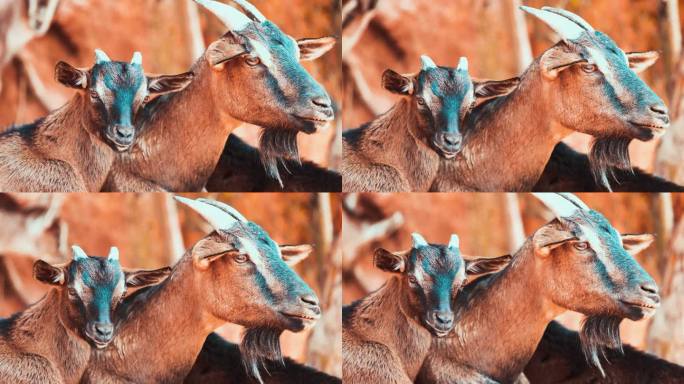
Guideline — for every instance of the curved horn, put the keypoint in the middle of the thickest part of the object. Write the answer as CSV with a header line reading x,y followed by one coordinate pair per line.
x,y
575,200
454,242
231,17
558,204
427,62
227,208
79,254
418,240
137,58
462,64
566,28
576,18
251,10
215,216
101,57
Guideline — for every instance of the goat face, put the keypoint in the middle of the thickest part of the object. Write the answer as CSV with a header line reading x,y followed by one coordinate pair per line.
x,y
592,266
258,77
596,88
431,275
91,288
249,279
116,91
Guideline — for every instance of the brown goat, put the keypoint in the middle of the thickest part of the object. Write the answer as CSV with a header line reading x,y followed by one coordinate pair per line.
x,y
73,148
387,334
576,262
252,74
585,83
50,342
235,274
400,150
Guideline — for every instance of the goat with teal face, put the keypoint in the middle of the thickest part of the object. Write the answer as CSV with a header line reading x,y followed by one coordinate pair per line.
x,y
584,83
401,150
387,334
72,149
577,262
74,317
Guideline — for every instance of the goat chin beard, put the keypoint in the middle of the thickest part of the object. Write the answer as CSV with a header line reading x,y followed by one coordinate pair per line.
x,y
260,345
276,145
606,154
600,334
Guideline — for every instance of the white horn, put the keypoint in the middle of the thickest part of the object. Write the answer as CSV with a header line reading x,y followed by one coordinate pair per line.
x,y
427,62
454,242
101,57
215,216
113,253
79,254
247,6
566,28
231,17
418,240
576,18
558,204
230,210
137,58
575,200
462,64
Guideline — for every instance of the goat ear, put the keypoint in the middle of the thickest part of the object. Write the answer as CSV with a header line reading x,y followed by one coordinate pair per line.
x,y
487,265
640,61
488,89
164,84
222,50
550,237
396,83
70,76
141,277
49,274
388,261
293,254
634,244
556,60
312,49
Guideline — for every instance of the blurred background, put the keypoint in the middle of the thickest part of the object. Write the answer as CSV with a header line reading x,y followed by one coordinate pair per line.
x,y
152,230
170,34
500,42
495,224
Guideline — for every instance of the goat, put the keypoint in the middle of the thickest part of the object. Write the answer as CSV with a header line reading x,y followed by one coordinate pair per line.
x,y
558,359
577,262
221,362
235,274
240,170
73,148
400,150
50,342
251,74
584,83
386,335
570,171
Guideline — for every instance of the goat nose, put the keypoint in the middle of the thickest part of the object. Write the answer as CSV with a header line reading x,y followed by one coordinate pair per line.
x,y
322,101
104,330
444,318
452,139
309,299
659,109
649,287
124,132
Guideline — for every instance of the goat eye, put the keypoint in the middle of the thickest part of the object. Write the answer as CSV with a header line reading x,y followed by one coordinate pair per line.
x,y
240,258
146,99
420,101
72,293
252,60
582,246
94,94
589,68
412,280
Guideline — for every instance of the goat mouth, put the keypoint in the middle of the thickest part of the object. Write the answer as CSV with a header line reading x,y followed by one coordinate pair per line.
x,y
447,153
314,123
648,130
640,309
300,321
99,344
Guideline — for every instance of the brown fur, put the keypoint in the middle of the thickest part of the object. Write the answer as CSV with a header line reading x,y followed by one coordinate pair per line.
x,y
389,154
63,152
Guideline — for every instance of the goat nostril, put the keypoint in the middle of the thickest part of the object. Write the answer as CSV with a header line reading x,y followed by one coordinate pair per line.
x,y
321,101
309,299
444,318
651,288
451,139
659,109
103,330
